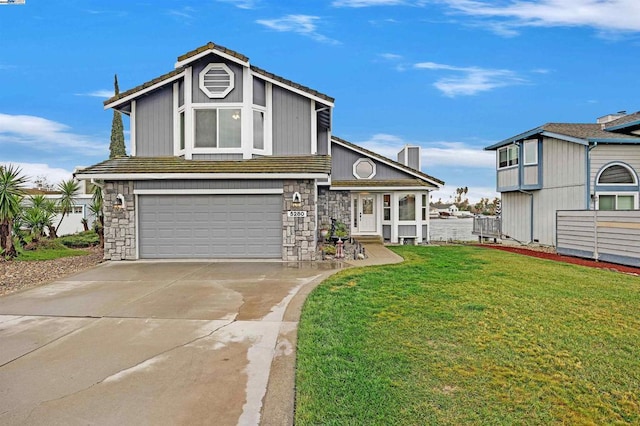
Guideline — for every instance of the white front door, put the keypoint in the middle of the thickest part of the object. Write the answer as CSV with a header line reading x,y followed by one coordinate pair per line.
x,y
366,213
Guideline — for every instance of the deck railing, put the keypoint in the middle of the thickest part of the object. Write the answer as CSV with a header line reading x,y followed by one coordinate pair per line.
x,y
487,227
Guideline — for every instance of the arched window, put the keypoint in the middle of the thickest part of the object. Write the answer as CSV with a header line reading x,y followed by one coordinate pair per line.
x,y
616,188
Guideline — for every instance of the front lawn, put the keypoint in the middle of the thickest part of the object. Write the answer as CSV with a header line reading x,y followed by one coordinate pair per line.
x,y
466,335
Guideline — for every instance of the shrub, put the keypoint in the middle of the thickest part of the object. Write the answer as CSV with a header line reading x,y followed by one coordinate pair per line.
x,y
81,239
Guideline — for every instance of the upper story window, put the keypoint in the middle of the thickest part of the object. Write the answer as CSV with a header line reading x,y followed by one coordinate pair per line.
x,y
617,174
364,169
216,80
530,152
218,128
508,156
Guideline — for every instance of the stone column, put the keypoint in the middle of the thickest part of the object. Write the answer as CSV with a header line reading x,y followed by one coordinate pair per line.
x,y
299,233
119,221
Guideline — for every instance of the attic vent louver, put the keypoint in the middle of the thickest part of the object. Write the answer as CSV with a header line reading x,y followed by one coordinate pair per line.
x,y
216,80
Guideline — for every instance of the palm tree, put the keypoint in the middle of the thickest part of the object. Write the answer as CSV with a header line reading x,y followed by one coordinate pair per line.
x,y
11,192
95,207
68,190
39,215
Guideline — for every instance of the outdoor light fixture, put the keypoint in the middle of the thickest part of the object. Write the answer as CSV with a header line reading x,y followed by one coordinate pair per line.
x,y
119,203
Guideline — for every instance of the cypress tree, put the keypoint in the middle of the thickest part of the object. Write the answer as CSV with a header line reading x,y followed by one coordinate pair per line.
x,y
117,148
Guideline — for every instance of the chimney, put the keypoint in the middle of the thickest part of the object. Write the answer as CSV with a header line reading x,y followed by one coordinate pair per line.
x,y
410,156
610,117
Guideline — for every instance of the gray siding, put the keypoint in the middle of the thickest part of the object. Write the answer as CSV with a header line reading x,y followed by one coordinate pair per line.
x,y
564,164
407,231
530,175
208,184
200,97
545,205
217,157
323,141
516,216
604,154
616,233
508,178
154,124
342,160
291,123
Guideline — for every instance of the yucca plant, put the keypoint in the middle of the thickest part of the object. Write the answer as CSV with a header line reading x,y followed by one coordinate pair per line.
x,y
68,189
11,193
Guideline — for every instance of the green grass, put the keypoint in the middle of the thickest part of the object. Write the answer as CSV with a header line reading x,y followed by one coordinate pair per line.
x,y
465,335
49,250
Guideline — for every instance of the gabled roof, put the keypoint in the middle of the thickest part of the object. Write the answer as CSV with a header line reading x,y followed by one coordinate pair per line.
x,y
179,168
417,173
582,133
395,183
628,121
211,48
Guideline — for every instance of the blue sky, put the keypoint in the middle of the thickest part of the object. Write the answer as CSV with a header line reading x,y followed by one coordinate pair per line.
x,y
452,76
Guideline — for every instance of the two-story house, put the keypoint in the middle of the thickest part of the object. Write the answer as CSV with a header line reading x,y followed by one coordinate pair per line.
x,y
231,161
566,166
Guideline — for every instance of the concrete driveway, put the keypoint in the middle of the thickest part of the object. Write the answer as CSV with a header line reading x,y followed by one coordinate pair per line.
x,y
153,343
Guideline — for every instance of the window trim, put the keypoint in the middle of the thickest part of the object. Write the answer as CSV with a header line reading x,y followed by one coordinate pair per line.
x,y
617,163
633,194
530,142
205,89
508,148
360,161
214,150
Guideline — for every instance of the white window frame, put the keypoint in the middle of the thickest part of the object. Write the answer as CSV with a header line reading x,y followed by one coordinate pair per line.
x,y
205,89
617,163
507,148
633,194
416,213
531,144
364,160
216,150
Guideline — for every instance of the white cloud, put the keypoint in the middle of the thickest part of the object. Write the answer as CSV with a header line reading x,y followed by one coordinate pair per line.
x,y
390,56
300,24
46,135
604,15
367,3
184,15
54,175
242,4
102,93
470,80
441,154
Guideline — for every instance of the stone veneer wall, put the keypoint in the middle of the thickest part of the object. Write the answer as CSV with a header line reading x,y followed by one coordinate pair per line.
x,y
333,204
119,224
299,233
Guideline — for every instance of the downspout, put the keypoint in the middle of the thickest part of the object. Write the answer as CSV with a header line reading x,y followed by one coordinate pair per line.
x,y
531,213
588,173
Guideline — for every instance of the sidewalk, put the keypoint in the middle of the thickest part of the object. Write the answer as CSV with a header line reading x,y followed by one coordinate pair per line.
x,y
377,254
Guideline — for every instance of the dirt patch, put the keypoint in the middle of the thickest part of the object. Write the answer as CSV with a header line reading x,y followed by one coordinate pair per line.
x,y
549,254
15,276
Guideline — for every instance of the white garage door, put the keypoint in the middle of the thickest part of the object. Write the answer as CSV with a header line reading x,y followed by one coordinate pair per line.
x,y
210,226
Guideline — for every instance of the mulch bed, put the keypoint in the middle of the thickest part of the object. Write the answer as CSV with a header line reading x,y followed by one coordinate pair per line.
x,y
566,259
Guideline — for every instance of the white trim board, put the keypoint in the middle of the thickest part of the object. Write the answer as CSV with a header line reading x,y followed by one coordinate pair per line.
x,y
216,176
143,91
275,191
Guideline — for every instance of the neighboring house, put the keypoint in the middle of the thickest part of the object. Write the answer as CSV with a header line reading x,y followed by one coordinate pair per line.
x,y
449,209
72,222
566,166
231,161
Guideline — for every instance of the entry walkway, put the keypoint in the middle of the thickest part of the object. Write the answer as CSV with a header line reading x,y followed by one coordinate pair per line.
x,y
377,254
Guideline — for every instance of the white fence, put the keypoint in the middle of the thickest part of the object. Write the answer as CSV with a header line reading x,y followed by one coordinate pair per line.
x,y
609,236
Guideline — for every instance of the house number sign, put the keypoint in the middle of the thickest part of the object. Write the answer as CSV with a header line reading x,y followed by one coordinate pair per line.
x,y
297,213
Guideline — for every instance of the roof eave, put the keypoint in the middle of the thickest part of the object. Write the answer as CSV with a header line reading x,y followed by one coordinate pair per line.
x,y
635,123
514,139
212,176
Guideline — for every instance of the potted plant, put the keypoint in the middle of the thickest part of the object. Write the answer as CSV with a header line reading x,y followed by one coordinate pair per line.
x,y
340,231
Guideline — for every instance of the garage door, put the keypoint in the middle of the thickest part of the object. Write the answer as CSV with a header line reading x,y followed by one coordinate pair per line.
x,y
210,226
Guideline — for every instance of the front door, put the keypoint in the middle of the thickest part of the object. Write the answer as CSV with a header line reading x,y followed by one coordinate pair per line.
x,y
366,213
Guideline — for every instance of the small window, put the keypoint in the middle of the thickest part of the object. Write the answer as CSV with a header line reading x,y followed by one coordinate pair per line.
x,y
258,129
530,152
407,207
216,80
386,206
610,202
182,130
364,169
508,156
425,207
616,174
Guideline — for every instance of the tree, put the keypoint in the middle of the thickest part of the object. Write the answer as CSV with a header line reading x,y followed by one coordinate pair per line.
x,y
96,208
68,190
39,215
11,192
117,148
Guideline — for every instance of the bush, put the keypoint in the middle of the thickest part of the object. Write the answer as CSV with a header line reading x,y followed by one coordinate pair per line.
x,y
81,239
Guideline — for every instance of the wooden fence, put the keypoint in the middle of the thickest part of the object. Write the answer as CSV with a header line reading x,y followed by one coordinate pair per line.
x,y
487,227
609,236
